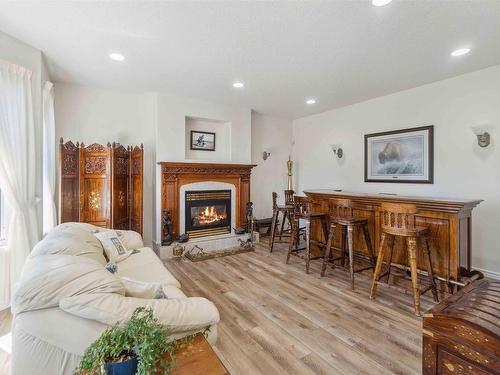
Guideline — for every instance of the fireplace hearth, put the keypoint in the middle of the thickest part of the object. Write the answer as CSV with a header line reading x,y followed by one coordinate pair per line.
x,y
208,212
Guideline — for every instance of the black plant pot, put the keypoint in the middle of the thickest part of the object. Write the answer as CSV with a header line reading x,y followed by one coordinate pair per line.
x,y
122,368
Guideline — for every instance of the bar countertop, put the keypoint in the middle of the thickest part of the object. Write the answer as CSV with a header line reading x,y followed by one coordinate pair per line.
x,y
374,197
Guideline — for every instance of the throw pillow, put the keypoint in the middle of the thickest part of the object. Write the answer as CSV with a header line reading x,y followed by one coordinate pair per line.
x,y
142,289
113,246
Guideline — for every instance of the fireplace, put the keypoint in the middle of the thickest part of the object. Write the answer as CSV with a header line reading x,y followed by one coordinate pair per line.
x,y
208,212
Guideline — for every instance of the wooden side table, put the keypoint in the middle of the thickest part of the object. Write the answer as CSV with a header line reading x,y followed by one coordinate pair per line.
x,y
198,358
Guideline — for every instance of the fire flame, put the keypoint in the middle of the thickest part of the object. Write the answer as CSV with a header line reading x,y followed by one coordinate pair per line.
x,y
209,215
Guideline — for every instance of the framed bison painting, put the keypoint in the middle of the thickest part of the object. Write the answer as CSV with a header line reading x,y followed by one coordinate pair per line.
x,y
405,155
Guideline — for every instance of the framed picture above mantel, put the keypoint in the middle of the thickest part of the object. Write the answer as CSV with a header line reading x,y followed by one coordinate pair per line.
x,y
405,155
202,141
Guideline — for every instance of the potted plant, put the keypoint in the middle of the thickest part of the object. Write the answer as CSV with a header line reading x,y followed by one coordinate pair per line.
x,y
137,346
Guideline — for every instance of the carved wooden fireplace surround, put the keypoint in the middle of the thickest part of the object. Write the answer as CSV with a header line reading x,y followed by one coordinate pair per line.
x,y
176,174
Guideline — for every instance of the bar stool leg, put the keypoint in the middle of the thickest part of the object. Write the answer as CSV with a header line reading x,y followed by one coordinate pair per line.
x,y
308,244
273,230
427,255
343,245
390,246
285,214
293,238
369,246
412,257
328,250
351,254
378,267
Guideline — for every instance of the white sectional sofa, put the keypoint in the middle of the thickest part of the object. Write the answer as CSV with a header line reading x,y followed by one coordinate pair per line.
x,y
66,298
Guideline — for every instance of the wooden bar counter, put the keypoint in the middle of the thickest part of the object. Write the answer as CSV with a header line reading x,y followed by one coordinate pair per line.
x,y
449,221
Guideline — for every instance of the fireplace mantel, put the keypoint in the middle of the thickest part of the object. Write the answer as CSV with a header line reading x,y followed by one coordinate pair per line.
x,y
176,174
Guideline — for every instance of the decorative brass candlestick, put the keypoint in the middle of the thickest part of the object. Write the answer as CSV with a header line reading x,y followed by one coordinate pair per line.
x,y
289,165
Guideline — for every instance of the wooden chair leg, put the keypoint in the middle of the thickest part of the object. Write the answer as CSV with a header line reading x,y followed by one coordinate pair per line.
x,y
427,255
328,250
378,267
285,214
412,259
308,245
369,247
293,237
351,254
273,230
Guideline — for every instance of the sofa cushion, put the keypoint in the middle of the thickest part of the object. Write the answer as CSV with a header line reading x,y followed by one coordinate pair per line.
x,y
46,279
113,247
177,315
146,266
70,240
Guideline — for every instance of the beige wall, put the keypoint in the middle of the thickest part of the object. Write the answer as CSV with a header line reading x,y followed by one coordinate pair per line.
x,y
274,135
462,168
91,115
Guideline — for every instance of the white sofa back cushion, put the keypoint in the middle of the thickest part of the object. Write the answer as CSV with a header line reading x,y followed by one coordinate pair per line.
x,y
183,314
47,279
70,239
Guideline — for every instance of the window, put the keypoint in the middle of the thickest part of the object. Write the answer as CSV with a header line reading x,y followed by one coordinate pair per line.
x,y
2,218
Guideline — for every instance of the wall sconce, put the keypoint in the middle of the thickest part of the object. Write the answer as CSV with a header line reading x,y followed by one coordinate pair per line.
x,y
265,155
483,137
337,151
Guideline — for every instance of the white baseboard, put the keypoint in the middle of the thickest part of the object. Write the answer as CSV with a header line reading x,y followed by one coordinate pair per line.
x,y
489,274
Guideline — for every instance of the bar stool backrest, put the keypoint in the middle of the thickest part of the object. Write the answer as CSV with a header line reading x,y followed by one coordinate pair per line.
x,y
289,197
301,205
398,216
275,200
340,207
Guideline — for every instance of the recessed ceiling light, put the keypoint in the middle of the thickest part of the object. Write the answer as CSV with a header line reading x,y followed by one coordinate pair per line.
x,y
238,85
380,3
115,56
311,101
460,52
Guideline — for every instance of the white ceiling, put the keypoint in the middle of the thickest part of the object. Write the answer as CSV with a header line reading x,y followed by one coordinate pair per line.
x,y
339,52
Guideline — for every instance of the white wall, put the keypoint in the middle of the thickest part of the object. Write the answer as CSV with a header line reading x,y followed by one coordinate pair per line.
x,y
462,169
95,115
222,132
274,135
17,52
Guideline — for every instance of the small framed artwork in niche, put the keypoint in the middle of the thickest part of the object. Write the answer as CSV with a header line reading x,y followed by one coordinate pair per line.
x,y
405,155
202,141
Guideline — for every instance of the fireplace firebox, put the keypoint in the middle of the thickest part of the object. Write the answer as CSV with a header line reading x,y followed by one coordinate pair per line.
x,y
208,212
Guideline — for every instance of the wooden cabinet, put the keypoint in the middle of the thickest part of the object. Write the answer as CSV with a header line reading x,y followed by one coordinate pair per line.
x,y
101,185
449,222
461,335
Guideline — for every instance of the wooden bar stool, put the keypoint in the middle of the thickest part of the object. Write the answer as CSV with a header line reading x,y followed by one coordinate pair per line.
x,y
341,215
286,211
398,220
302,211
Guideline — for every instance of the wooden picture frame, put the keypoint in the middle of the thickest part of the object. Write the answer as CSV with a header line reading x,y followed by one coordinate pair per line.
x,y
401,156
202,141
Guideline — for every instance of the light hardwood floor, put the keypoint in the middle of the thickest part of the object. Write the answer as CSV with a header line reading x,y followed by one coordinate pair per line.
x,y
275,319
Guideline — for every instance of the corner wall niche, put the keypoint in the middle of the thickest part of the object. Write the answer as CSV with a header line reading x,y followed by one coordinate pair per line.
x,y
222,130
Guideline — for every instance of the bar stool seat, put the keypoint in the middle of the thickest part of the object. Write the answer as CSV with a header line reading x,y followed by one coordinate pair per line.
x,y
302,211
341,215
398,220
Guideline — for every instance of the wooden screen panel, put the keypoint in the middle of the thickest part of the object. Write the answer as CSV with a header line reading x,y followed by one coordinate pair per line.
x,y
136,181
95,185
120,215
69,181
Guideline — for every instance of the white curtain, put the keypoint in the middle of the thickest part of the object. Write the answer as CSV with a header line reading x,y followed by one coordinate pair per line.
x,y
17,172
49,159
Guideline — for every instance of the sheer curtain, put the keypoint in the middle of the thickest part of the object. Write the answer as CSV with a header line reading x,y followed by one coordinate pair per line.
x,y
49,159
17,172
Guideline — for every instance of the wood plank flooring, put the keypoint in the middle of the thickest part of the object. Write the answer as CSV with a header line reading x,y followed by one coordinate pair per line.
x,y
275,319
5,324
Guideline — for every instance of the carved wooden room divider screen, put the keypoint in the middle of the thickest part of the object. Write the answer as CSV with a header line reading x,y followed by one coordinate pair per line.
x,y
101,185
